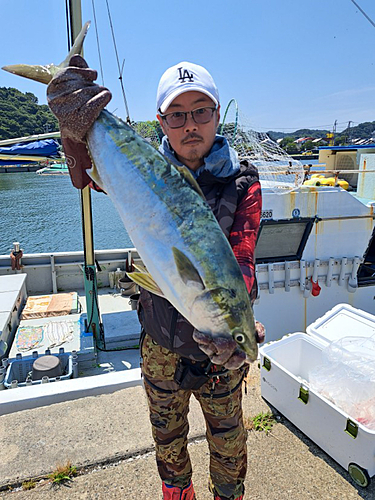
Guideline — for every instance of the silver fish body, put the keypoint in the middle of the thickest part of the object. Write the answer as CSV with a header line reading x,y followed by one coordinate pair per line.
x,y
175,232
169,222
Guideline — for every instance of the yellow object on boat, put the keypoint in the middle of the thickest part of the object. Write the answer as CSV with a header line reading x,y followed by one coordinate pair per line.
x,y
312,182
343,184
327,181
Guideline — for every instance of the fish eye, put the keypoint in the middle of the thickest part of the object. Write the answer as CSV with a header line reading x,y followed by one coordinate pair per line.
x,y
240,338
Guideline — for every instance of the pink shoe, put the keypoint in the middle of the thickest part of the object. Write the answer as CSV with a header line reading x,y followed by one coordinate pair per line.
x,y
175,493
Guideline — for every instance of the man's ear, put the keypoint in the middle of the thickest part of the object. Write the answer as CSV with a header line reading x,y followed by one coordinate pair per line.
x,y
162,124
218,114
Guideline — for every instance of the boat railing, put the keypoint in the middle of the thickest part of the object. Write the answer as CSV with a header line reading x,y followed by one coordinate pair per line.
x,y
64,271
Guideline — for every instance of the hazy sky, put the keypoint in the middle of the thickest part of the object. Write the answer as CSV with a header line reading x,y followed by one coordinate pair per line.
x,y
289,63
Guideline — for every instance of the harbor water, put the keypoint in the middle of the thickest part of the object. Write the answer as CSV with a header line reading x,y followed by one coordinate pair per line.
x,y
43,213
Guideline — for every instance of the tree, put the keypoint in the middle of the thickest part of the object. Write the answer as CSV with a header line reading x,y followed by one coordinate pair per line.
x,y
21,115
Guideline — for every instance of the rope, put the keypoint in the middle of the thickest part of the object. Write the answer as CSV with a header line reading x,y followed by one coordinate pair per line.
x,y
97,41
118,65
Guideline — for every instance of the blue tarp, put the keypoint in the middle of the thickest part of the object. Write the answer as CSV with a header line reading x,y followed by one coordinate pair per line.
x,y
46,147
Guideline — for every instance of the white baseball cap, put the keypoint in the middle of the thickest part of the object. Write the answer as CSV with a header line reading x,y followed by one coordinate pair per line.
x,y
184,77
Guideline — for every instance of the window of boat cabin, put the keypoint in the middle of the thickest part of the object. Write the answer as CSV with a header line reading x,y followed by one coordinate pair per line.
x,y
282,240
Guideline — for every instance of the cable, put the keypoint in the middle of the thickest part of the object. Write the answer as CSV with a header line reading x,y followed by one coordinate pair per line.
x,y
118,65
364,13
97,41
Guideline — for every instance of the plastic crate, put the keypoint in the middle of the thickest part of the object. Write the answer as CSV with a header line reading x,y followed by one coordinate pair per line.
x,y
20,368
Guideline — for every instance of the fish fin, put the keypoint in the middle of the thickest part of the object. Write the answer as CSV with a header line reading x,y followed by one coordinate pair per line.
x,y
44,74
140,267
77,46
188,176
146,281
95,176
186,269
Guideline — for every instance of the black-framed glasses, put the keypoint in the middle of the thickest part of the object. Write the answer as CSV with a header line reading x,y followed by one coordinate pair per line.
x,y
199,115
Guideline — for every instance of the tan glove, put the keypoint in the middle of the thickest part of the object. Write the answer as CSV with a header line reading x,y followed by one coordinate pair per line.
x,y
76,101
224,350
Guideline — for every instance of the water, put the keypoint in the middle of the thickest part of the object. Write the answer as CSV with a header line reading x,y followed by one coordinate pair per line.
x,y
43,213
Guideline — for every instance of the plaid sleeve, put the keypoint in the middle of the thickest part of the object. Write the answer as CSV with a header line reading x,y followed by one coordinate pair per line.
x,y
244,232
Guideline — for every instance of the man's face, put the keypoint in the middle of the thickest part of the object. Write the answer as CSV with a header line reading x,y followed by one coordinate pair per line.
x,y
193,141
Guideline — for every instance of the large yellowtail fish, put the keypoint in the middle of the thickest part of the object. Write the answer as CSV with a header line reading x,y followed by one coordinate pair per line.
x,y
188,259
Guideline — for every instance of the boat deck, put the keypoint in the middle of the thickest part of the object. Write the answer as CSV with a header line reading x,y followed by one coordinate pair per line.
x,y
114,366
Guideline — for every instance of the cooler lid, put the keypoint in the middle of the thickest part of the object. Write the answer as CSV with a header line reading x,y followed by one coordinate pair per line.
x,y
343,321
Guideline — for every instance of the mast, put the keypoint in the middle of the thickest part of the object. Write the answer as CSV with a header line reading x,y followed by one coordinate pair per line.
x,y
91,290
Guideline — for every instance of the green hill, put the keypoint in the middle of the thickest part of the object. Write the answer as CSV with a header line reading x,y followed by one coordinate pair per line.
x,y
362,131
21,115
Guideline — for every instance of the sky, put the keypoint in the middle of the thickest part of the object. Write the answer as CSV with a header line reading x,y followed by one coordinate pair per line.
x,y
289,64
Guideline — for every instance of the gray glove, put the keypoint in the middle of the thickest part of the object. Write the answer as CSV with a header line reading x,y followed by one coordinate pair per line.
x,y
76,101
224,350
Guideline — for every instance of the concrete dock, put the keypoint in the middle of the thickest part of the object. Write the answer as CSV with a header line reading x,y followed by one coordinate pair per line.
x,y
108,438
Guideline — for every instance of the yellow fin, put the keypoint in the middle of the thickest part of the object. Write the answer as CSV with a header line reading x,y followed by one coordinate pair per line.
x,y
188,176
140,267
146,281
95,176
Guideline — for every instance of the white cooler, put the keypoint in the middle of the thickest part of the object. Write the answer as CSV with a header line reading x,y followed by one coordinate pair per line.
x,y
285,368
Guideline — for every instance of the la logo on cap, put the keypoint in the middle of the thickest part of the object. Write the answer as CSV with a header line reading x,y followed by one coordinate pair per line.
x,y
185,74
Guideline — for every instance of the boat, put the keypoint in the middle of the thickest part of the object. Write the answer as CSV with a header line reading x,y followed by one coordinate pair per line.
x,y
53,169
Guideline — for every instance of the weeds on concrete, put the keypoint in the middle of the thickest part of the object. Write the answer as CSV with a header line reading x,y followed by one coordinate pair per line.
x,y
262,422
63,473
28,485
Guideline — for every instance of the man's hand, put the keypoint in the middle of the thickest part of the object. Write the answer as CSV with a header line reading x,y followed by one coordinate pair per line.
x,y
76,101
224,350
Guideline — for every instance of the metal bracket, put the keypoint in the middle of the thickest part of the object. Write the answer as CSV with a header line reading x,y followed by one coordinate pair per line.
x,y
54,274
302,279
330,271
287,276
344,264
271,281
353,281
316,270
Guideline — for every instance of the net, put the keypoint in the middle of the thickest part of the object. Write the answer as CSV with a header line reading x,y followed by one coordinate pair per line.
x,y
277,170
148,132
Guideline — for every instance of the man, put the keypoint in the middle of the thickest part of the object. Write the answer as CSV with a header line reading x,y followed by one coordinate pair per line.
x,y
178,361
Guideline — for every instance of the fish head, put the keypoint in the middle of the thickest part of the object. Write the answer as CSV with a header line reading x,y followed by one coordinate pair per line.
x,y
230,313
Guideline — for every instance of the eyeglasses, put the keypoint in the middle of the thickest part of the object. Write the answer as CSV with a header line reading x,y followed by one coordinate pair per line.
x,y
200,116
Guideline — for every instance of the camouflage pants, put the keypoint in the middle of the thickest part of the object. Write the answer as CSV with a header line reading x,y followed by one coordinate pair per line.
x,y
169,407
